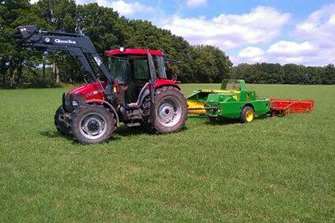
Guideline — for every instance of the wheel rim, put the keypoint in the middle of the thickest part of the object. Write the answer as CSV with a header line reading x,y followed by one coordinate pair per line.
x,y
169,112
93,126
249,116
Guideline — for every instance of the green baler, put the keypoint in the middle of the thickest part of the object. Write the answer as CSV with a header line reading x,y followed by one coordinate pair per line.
x,y
235,101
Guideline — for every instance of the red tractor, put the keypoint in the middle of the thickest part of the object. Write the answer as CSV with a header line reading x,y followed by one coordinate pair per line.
x,y
133,89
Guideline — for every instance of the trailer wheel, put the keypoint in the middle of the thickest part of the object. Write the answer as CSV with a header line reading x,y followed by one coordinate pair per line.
x,y
60,122
170,110
93,124
248,114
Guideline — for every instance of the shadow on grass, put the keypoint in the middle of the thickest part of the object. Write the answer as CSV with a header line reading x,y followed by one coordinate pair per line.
x,y
128,131
53,134
125,131
223,121
218,121
122,131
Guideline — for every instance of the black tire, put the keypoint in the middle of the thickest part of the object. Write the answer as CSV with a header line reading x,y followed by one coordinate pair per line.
x,y
61,123
247,114
92,124
170,110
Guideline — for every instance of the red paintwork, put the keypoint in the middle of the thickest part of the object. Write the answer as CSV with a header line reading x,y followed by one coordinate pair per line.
x,y
130,51
94,92
90,91
285,106
165,82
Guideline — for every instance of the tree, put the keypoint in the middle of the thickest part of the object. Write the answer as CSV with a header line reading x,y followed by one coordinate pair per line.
x,y
210,64
13,14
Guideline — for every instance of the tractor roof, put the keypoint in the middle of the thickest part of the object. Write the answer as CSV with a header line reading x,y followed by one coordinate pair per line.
x,y
132,51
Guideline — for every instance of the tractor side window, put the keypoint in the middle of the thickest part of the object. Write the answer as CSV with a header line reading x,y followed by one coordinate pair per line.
x,y
119,69
141,69
160,67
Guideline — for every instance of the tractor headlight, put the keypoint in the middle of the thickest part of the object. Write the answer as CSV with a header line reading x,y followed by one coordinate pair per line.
x,y
75,103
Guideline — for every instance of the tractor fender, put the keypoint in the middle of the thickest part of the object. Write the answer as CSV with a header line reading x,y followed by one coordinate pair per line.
x,y
108,105
166,83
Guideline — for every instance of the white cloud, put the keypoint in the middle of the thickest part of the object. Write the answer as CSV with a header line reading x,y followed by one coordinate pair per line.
x,y
250,55
124,8
290,48
319,26
312,42
282,52
251,52
228,31
319,30
195,3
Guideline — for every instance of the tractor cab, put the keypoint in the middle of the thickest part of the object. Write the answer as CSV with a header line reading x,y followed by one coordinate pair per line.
x,y
134,69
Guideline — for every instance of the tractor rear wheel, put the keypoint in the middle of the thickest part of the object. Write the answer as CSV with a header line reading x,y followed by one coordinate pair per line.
x,y
170,110
92,124
248,114
60,122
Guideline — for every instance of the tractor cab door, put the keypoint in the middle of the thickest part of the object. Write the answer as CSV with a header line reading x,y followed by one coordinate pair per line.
x,y
143,69
139,75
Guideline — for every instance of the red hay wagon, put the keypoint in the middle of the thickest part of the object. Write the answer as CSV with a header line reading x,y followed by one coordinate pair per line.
x,y
286,106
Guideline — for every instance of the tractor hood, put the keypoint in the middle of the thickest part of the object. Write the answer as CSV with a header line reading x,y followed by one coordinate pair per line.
x,y
90,91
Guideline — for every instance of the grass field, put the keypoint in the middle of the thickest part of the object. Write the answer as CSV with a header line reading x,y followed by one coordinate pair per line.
x,y
272,170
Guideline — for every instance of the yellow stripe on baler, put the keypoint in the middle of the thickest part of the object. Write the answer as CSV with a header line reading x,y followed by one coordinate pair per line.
x,y
196,107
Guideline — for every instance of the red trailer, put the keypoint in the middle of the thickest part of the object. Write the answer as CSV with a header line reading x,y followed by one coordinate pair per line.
x,y
286,106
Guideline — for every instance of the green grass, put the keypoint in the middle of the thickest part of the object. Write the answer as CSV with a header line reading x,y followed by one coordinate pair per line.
x,y
272,170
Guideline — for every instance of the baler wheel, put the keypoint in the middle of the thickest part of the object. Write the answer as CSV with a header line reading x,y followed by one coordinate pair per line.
x,y
248,114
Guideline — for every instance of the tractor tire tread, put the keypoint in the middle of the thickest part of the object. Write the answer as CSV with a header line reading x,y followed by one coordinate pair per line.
x,y
175,92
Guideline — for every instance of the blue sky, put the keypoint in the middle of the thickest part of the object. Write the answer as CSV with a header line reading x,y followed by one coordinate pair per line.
x,y
281,31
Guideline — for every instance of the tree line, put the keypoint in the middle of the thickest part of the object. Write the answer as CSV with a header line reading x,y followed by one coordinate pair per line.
x,y
284,74
107,29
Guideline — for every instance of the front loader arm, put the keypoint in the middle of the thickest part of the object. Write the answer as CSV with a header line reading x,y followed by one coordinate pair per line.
x,y
77,45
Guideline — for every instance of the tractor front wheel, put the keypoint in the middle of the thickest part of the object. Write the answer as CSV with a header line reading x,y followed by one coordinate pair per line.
x,y
61,123
170,110
92,124
248,114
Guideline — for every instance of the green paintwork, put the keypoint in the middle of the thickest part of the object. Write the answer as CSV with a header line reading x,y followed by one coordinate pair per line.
x,y
229,103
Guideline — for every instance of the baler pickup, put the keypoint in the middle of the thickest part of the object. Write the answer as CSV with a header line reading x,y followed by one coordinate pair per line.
x,y
197,102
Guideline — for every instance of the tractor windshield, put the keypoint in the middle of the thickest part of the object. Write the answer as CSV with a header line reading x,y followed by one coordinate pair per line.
x,y
232,84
